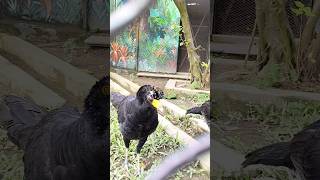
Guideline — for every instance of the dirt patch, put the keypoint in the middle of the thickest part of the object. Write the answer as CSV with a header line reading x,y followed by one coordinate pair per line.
x,y
188,85
159,82
237,74
182,103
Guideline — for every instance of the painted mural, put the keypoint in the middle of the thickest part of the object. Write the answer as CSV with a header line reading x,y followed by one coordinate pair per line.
x,y
46,10
62,11
159,38
124,47
151,42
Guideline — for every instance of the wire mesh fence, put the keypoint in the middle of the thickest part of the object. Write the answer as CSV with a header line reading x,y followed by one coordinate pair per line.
x,y
237,17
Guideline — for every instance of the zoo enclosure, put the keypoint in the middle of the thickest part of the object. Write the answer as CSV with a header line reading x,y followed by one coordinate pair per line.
x,y
91,14
233,22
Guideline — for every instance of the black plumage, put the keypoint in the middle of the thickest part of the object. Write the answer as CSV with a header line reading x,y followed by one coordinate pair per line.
x,y
62,144
301,154
137,117
204,110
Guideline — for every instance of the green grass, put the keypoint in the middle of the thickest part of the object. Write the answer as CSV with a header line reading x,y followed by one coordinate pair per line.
x,y
11,165
170,94
274,124
157,147
281,123
199,98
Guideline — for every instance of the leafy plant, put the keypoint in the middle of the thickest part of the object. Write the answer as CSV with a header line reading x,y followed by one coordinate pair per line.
x,y
170,94
301,9
195,85
201,98
271,76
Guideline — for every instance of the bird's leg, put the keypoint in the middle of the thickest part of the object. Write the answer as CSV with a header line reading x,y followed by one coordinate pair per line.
x,y
127,144
138,162
139,146
126,164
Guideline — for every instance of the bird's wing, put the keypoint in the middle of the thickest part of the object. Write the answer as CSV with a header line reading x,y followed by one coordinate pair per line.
x,y
116,99
126,109
305,151
18,115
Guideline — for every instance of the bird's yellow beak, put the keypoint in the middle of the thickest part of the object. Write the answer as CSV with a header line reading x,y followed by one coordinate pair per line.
x,y
155,103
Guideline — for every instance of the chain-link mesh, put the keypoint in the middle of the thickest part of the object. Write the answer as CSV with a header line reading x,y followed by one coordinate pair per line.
x,y
236,17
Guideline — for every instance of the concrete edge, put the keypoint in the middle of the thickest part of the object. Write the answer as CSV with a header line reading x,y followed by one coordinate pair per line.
x,y
48,66
261,96
23,84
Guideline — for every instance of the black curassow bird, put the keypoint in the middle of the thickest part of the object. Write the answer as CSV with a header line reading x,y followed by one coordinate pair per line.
x,y
62,144
301,154
204,110
137,116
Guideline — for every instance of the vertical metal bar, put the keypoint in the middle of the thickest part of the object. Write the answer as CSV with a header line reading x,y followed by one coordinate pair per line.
x,y
126,14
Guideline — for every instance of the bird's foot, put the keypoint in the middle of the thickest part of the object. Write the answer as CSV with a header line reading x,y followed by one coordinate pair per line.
x,y
126,165
139,171
140,166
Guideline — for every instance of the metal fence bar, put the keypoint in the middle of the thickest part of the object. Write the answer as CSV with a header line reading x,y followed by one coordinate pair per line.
x,y
180,159
126,14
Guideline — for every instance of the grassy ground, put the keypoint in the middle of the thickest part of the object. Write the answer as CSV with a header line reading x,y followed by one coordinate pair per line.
x,y
186,101
158,146
263,125
11,165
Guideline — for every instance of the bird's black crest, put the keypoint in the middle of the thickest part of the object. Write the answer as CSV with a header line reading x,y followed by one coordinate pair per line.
x,y
96,103
101,88
146,89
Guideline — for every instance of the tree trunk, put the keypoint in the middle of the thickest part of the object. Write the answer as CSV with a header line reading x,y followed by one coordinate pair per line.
x,y
309,56
194,58
276,53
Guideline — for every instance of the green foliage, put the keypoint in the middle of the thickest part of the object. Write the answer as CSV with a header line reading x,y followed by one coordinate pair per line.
x,y
195,85
11,164
149,49
128,41
170,94
301,9
270,77
200,98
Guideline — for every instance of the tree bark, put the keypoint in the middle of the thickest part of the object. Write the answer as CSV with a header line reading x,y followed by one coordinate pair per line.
x,y
194,58
309,56
276,53
308,31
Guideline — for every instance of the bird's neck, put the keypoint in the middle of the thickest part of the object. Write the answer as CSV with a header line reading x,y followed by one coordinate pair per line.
x,y
97,117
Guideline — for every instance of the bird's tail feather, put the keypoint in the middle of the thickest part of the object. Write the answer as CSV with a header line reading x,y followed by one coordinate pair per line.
x,y
274,155
194,110
18,116
116,99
